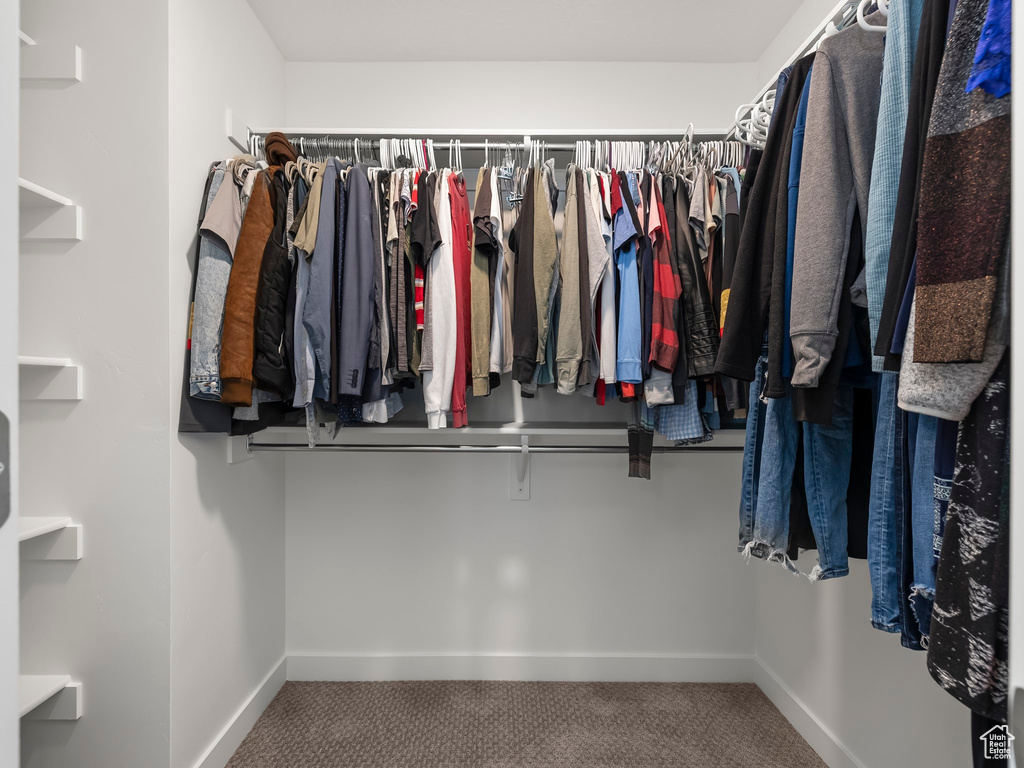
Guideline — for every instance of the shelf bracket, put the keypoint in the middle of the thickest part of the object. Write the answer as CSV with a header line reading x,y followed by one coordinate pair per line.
x,y
519,473
238,131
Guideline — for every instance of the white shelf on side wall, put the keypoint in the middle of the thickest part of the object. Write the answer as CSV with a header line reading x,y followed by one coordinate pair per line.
x,y
47,215
49,697
49,378
50,61
49,538
31,527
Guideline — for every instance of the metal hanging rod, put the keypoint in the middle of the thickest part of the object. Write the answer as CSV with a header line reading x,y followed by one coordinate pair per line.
x,y
509,449
499,139
492,136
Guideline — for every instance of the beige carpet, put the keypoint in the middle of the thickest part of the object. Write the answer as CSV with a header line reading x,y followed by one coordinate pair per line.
x,y
450,724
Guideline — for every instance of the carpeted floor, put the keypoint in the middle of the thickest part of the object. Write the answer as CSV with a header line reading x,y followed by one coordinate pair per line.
x,y
451,724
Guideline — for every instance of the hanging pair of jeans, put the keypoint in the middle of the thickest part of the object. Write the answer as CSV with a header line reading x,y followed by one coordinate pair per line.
x,y
901,469
828,450
752,454
922,524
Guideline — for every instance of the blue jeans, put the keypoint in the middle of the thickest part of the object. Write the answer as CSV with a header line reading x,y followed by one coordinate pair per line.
x,y
886,487
891,539
828,451
752,455
922,523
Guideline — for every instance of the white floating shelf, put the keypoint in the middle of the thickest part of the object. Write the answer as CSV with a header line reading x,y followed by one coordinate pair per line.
x,y
51,62
43,362
50,538
49,378
34,195
47,215
30,527
49,697
25,39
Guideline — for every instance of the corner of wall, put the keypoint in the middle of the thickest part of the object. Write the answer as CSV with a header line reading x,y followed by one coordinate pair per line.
x,y
227,522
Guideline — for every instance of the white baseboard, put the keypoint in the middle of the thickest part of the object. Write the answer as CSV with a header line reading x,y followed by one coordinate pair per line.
x,y
815,733
562,667
224,746
500,666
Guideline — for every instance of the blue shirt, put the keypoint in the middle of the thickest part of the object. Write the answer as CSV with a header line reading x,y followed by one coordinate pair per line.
x,y
624,236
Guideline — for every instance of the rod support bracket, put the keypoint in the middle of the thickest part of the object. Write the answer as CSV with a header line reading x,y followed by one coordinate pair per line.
x,y
519,469
239,449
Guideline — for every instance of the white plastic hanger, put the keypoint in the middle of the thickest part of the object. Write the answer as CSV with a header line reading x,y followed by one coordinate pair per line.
x,y
864,4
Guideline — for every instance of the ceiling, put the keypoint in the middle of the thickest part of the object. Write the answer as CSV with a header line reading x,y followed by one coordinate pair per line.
x,y
523,30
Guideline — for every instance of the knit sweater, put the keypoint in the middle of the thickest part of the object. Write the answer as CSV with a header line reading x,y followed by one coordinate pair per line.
x,y
964,218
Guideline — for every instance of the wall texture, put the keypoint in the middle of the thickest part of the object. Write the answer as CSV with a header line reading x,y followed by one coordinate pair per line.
x,y
227,522
103,461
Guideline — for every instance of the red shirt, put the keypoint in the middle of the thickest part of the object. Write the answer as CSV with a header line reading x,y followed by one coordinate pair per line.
x,y
461,255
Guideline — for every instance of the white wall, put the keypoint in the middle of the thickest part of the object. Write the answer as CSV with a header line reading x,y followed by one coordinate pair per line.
x,y
419,554
874,696
227,522
9,103
104,460
534,96
805,19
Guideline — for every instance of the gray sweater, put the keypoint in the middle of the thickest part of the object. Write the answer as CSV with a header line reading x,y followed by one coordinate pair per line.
x,y
839,147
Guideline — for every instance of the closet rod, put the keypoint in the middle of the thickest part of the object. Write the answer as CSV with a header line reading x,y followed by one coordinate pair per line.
x,y
413,448
561,146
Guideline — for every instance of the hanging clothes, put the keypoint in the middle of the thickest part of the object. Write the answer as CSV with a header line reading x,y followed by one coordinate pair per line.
x,y
750,288
842,118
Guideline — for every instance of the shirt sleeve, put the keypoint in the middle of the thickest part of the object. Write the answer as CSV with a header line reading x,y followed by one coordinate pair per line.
x,y
824,217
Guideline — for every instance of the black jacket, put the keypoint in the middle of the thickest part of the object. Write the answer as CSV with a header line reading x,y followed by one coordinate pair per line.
x,y
271,370
524,307
701,324
750,289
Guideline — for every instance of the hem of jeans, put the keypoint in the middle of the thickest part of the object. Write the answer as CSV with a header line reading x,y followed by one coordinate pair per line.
x,y
764,551
920,592
822,574
911,644
885,627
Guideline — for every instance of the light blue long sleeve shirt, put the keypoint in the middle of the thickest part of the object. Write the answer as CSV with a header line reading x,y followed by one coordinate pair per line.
x,y
898,64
